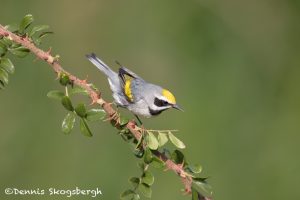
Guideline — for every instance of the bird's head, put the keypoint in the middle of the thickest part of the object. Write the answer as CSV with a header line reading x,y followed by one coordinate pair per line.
x,y
163,101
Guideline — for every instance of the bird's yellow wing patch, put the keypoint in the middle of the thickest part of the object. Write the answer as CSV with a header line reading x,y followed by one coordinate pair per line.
x,y
169,96
127,89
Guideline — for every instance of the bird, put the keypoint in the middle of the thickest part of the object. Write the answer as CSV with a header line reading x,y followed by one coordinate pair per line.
x,y
132,92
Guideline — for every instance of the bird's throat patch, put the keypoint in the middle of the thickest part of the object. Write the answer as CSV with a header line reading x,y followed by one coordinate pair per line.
x,y
127,89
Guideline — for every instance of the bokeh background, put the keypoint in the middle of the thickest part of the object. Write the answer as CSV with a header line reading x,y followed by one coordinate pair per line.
x,y
233,66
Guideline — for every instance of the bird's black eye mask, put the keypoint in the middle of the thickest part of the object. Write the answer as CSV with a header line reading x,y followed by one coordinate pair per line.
x,y
160,103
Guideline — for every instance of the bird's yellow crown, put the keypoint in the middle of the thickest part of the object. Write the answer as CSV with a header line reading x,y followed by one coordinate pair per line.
x,y
169,96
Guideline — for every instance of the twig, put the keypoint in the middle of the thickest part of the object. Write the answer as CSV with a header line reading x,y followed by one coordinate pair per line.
x,y
96,98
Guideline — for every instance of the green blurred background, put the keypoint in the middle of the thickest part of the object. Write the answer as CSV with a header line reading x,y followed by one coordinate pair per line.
x,y
233,66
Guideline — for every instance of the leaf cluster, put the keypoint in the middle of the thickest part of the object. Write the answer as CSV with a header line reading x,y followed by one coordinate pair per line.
x,y
79,112
8,46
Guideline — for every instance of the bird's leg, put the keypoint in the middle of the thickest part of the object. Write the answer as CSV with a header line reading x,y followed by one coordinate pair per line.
x,y
142,128
137,117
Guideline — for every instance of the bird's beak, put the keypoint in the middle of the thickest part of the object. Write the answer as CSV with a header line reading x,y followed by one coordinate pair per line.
x,y
177,107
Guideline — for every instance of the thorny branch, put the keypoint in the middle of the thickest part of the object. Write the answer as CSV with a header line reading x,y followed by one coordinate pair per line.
x,y
96,99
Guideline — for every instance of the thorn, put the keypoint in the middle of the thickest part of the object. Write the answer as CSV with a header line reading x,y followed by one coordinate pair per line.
x,y
84,81
93,102
181,165
49,51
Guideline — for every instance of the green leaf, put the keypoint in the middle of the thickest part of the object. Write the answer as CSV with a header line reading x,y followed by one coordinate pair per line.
x,y
1,85
202,186
20,51
157,163
38,28
6,64
139,142
95,114
64,79
55,94
78,90
195,168
148,178
141,165
123,121
43,34
194,194
5,41
3,76
178,157
151,141
68,123
148,156
135,181
85,130
137,152
145,190
127,194
135,197
12,27
27,20
176,141
162,139
3,49
80,110
66,102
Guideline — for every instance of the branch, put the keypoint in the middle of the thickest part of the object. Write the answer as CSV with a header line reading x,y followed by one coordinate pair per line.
x,y
97,99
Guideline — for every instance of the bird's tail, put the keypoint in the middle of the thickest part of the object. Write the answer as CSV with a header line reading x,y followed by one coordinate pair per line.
x,y
101,65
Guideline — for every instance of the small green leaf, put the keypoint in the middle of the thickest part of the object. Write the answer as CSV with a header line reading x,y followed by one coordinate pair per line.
x,y
43,34
38,28
137,152
157,163
3,76
123,121
27,20
6,64
1,85
195,168
20,51
162,139
135,181
55,94
80,110
148,178
84,128
66,102
202,186
12,27
64,79
194,194
94,87
151,141
178,157
68,123
3,49
139,143
176,141
141,165
145,190
148,156
135,197
5,41
78,90
127,194
95,114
